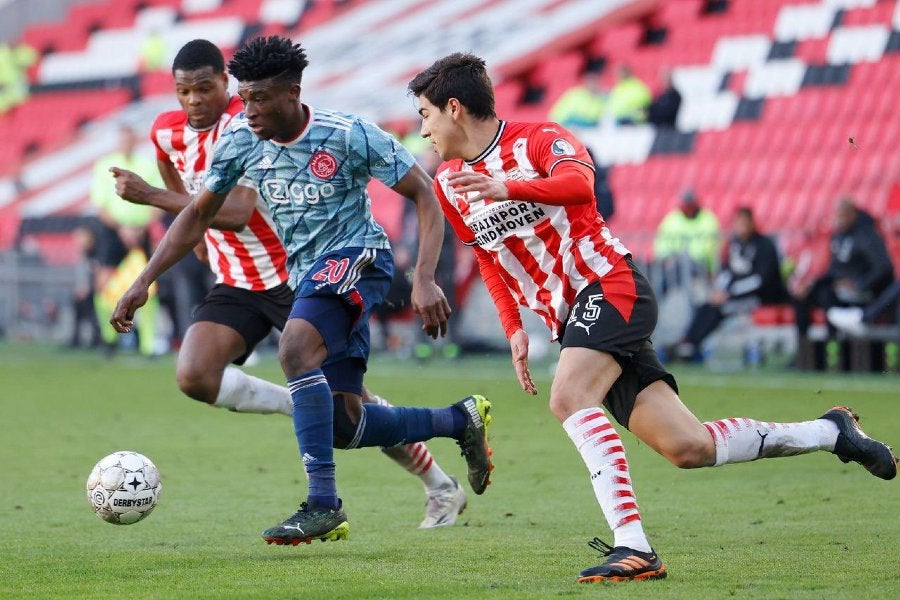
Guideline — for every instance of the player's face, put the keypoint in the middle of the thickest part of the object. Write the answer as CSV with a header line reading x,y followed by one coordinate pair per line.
x,y
440,128
272,108
203,95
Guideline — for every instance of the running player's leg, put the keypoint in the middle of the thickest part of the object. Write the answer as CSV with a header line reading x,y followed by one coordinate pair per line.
x,y
227,327
583,376
445,498
608,324
661,420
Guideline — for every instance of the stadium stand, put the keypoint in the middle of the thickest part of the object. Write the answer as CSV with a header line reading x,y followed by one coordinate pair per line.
x,y
786,104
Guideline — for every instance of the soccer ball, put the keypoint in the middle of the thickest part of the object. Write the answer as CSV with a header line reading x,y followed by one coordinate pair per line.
x,y
123,487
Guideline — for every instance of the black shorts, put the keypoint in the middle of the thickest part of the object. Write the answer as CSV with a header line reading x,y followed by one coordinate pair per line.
x,y
251,314
618,315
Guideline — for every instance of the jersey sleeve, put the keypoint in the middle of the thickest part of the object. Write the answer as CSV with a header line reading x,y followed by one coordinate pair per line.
x,y
160,153
462,231
552,145
231,155
507,308
377,153
566,168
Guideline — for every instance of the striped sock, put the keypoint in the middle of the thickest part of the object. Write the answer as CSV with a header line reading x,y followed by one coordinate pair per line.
x,y
313,426
416,459
742,440
603,454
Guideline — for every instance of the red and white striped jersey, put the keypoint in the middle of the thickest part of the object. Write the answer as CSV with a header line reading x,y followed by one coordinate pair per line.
x,y
253,258
545,253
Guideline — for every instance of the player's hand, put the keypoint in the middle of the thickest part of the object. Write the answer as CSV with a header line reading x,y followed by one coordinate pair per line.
x,y
123,317
518,344
202,253
718,297
429,302
129,186
463,182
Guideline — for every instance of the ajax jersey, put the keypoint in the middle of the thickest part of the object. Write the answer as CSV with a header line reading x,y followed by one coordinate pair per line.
x,y
252,258
314,185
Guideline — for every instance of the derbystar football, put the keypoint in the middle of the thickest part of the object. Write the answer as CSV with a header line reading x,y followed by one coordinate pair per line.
x,y
123,487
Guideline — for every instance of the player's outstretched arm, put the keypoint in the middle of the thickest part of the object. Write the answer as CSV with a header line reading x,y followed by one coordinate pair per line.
x,y
185,232
233,216
571,183
428,299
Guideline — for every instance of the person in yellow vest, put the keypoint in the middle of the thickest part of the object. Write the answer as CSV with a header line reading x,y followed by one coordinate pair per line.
x,y
153,52
689,231
628,99
581,105
122,241
14,62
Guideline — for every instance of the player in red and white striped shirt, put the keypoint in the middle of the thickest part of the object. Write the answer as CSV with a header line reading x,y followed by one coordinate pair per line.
x,y
251,296
521,194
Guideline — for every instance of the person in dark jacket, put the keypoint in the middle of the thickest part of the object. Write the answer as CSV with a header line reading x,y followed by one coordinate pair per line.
x,y
751,276
859,269
663,111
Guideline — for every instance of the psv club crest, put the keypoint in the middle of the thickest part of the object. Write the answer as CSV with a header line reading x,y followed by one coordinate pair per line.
x,y
323,165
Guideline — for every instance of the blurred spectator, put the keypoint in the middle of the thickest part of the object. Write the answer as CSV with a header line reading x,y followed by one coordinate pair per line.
x,y
83,293
121,232
751,276
859,268
856,320
688,231
628,99
14,63
153,52
602,191
581,105
663,111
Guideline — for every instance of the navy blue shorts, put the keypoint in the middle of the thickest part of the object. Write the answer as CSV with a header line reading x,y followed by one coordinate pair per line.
x,y
337,296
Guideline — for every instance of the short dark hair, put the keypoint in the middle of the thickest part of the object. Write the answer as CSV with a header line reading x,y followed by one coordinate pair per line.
x,y
273,56
744,211
197,54
462,76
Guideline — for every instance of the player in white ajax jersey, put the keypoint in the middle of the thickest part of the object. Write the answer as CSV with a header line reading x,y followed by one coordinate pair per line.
x,y
311,169
251,296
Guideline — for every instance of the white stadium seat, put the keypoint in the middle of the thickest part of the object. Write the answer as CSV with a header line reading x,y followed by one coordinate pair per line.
x,y
698,81
711,112
619,145
850,3
775,78
285,12
857,44
738,53
195,6
804,21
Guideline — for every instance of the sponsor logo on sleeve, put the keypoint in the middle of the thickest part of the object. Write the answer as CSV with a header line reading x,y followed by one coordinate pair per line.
x,y
561,147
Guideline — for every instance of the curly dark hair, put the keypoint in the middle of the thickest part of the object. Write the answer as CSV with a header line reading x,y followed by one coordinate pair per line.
x,y
274,56
462,76
197,54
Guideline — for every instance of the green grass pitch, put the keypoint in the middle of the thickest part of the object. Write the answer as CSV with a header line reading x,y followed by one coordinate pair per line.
x,y
804,527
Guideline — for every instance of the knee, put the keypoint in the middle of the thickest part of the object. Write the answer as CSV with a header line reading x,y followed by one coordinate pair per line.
x,y
691,453
297,355
198,384
347,414
563,405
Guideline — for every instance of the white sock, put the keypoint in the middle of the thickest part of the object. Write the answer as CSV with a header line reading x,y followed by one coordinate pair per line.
x,y
416,459
244,393
603,454
742,440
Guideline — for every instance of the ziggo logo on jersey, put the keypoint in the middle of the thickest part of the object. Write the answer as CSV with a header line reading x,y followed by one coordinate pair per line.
x,y
279,191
